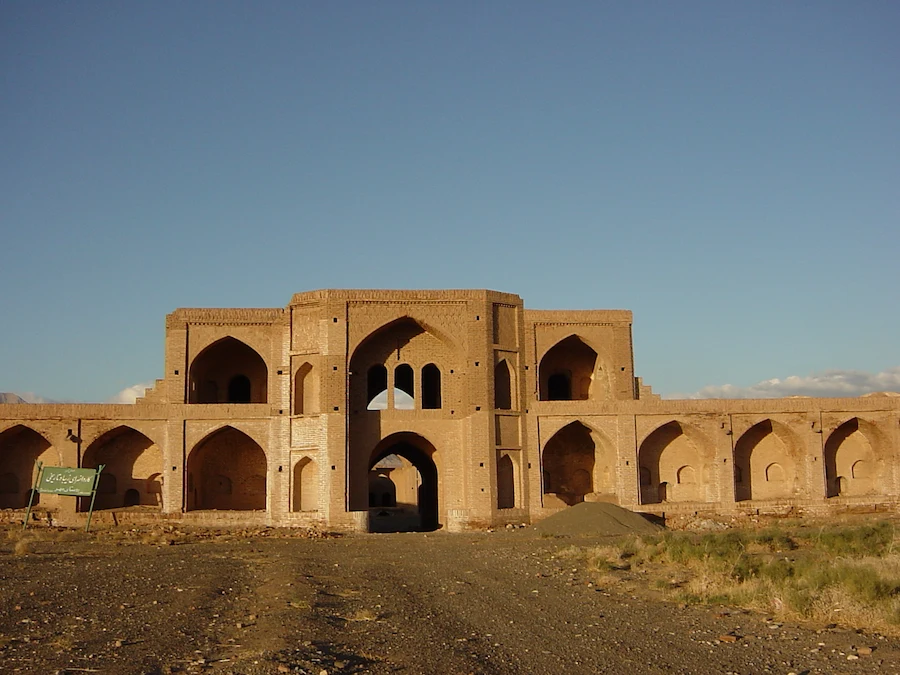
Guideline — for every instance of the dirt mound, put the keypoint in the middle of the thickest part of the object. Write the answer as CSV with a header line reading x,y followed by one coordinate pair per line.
x,y
596,519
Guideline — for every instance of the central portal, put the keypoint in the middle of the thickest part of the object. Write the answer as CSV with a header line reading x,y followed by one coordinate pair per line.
x,y
403,485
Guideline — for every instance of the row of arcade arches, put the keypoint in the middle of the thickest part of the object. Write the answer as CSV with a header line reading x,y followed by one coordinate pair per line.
x,y
226,470
677,463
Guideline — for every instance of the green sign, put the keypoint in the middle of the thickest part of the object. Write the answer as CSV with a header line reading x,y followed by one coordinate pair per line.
x,y
61,480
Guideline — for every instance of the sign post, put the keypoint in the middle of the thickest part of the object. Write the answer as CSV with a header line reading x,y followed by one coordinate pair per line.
x,y
61,480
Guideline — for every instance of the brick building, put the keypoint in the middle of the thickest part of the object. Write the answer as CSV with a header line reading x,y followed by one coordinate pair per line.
x,y
392,410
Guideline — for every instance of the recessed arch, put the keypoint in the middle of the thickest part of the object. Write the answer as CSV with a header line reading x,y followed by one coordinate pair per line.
x,y
571,370
664,458
20,447
854,458
228,371
227,471
506,482
306,390
306,491
567,463
766,444
130,459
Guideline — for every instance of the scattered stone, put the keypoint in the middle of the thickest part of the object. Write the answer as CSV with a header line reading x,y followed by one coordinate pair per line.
x,y
729,638
865,651
852,657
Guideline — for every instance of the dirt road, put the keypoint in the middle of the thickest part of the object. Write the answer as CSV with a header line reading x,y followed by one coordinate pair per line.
x,y
501,602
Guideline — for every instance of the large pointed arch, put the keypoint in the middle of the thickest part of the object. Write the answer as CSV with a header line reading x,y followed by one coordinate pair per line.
x,y
20,447
228,371
573,370
855,459
227,471
406,355
576,461
672,462
766,462
133,467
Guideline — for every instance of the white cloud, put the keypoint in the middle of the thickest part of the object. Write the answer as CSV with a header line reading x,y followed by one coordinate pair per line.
x,y
31,397
831,383
129,394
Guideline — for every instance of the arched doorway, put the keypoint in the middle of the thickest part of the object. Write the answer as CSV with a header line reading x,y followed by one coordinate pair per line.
x,y
407,461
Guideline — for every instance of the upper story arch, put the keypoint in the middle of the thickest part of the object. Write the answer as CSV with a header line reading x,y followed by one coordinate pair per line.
x,y
404,364
228,371
573,370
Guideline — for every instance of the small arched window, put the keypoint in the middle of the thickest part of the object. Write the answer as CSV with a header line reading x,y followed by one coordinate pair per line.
x,y
376,383
403,379
502,386
431,387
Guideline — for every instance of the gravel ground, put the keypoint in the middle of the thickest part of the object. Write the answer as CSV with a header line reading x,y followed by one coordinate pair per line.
x,y
179,601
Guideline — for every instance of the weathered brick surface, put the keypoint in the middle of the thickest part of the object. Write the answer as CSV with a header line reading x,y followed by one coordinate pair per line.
x,y
498,448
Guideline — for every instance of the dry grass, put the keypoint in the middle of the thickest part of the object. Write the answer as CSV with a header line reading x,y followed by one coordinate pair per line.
x,y
840,574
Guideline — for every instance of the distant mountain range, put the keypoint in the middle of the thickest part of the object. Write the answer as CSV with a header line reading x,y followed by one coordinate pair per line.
x,y
7,397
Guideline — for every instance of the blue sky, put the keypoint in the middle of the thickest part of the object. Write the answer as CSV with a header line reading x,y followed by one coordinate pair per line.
x,y
728,171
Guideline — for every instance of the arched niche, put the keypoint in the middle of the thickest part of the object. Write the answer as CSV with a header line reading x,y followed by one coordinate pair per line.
x,y
228,371
506,482
766,465
667,457
131,461
306,390
854,460
226,471
306,485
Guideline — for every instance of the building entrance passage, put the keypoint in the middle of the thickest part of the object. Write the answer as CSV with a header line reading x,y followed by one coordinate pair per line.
x,y
403,486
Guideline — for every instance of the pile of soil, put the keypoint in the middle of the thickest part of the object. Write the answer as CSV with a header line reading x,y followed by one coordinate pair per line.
x,y
596,519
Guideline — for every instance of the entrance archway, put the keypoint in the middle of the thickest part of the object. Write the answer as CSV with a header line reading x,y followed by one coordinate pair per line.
x,y
415,477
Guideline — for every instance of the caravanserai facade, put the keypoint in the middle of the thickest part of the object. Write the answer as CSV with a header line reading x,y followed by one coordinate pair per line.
x,y
459,409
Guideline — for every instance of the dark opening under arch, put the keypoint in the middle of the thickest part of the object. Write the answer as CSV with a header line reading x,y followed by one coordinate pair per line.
x,y
428,488
431,387
239,389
